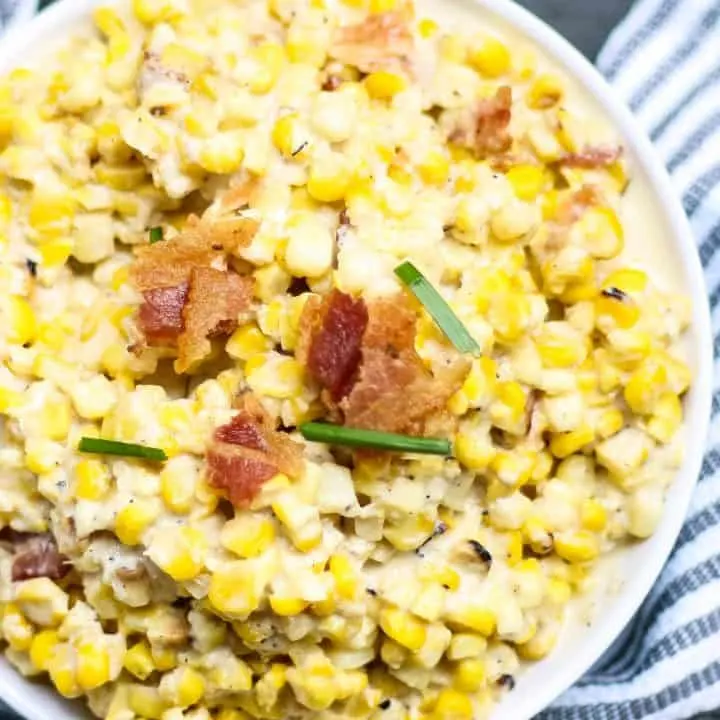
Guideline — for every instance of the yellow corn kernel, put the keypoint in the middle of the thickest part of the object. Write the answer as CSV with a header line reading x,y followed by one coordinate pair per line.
x,y
538,646
289,136
42,601
513,468
667,418
248,534
121,177
434,169
545,92
344,575
93,666
190,688
144,700
16,630
469,675
232,714
138,660
151,12
55,252
329,182
609,423
409,533
42,456
287,606
559,591
527,181
186,558
392,654
645,387
5,209
452,705
10,400
92,479
384,85
56,419
51,214
543,466
429,602
22,325
269,58
491,58
559,347
576,547
233,590
474,617
427,28
382,6
564,444
514,547
222,154
42,648
133,519
472,454
165,658
301,521
403,628
602,232
466,645
62,673
593,515
628,280
442,574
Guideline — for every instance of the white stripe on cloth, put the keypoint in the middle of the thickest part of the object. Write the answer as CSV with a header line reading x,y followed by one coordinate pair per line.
x,y
664,59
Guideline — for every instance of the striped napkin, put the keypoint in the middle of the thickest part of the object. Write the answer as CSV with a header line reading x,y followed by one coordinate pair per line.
x,y
664,60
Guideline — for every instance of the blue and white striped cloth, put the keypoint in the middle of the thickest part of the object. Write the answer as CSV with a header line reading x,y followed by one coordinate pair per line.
x,y
664,60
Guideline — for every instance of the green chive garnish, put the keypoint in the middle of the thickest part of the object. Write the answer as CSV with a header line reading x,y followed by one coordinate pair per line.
x,y
440,311
156,234
115,447
374,439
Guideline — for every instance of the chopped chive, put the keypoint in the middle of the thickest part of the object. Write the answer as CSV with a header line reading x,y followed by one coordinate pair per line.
x,y
156,234
440,311
115,447
374,439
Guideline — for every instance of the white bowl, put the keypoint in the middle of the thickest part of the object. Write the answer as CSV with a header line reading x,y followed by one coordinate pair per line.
x,y
580,647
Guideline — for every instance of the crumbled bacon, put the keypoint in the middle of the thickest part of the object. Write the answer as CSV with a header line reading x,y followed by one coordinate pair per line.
x,y
214,301
485,129
381,41
365,358
592,157
188,295
38,556
161,315
247,452
334,354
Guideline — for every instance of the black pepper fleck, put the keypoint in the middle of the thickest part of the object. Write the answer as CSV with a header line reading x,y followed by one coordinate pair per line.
x,y
385,704
507,681
614,293
370,591
32,267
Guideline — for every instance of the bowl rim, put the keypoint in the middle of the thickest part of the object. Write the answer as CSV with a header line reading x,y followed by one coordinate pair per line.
x,y
680,234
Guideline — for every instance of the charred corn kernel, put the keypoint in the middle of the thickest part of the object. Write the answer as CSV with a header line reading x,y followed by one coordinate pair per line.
x,y
16,630
146,702
248,534
545,92
474,617
92,479
384,85
593,515
22,325
133,519
527,181
452,705
290,137
138,660
472,454
344,575
576,547
491,58
427,28
609,423
564,444
93,666
403,628
667,418
628,280
466,645
287,606
469,675
42,648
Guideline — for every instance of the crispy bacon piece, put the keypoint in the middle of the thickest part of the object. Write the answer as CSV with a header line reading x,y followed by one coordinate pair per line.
x,y
394,391
334,354
248,451
38,556
592,157
365,359
214,301
161,315
381,41
485,129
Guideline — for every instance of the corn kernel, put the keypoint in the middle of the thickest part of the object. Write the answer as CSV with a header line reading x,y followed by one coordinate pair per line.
x,y
403,628
133,519
16,630
287,606
93,666
181,554
344,575
145,700
491,58
593,515
427,28
22,324
473,454
474,617
452,705
328,182
92,479
527,181
138,660
434,168
289,137
564,444
577,547
545,92
469,675
247,534
223,153
42,648
384,85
